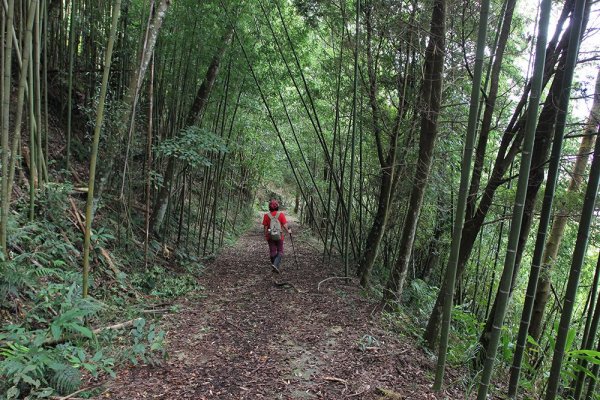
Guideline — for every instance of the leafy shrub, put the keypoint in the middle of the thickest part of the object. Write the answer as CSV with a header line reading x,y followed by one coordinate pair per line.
x,y
31,362
192,145
148,343
156,282
419,298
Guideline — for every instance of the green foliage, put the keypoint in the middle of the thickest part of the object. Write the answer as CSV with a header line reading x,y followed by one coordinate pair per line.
x,y
52,345
193,146
28,366
574,358
464,336
419,298
148,343
66,379
368,341
156,281
33,369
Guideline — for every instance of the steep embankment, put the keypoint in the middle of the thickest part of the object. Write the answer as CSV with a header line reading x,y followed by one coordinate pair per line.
x,y
260,335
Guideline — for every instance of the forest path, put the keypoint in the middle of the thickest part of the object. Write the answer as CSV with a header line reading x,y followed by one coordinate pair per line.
x,y
254,338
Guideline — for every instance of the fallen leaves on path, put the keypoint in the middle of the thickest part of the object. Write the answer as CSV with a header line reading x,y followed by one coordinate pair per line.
x,y
258,335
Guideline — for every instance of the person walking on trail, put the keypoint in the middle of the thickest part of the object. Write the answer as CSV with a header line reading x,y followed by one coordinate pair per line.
x,y
274,222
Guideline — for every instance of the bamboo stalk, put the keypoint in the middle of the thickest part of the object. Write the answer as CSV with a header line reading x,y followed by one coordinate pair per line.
x,y
96,140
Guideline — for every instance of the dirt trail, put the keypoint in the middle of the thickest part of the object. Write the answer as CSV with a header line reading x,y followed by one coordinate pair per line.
x,y
254,337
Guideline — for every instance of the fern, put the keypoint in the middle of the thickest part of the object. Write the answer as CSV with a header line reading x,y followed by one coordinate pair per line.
x,y
13,278
41,272
65,379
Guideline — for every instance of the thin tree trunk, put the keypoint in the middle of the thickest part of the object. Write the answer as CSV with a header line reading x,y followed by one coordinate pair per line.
x,y
431,95
517,216
21,94
545,128
193,116
149,160
96,140
562,217
5,125
490,105
133,90
43,174
387,164
590,332
510,145
587,212
461,205
34,169
534,278
70,87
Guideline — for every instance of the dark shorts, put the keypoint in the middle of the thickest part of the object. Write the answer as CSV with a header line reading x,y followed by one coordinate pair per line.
x,y
275,247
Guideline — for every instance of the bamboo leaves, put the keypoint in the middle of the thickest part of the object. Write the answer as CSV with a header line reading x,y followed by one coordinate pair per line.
x,y
193,146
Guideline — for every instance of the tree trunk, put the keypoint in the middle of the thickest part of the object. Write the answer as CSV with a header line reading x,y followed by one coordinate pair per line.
x,y
589,336
434,249
376,232
562,217
509,146
387,164
431,97
6,85
133,90
21,96
518,209
195,113
587,212
490,105
450,278
543,139
96,140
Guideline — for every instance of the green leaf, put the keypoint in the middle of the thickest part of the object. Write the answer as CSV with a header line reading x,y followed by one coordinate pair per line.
x,y
56,331
156,346
12,393
570,338
97,357
532,341
31,381
82,330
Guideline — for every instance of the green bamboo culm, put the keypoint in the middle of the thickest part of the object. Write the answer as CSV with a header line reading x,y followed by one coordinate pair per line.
x,y
590,334
94,156
553,170
517,215
461,206
5,123
587,213
34,174
70,86
23,87
353,139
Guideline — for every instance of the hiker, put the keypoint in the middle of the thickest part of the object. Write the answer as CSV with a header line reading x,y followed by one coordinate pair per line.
x,y
273,221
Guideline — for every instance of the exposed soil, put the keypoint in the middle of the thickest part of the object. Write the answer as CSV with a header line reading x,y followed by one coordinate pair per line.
x,y
262,335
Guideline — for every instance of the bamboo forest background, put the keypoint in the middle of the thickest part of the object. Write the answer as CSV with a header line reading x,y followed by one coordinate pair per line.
x,y
441,149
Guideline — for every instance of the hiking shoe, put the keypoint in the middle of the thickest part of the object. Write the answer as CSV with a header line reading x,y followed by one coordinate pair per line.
x,y
275,269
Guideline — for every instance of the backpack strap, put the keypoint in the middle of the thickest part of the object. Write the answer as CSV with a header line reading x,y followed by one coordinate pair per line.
x,y
276,216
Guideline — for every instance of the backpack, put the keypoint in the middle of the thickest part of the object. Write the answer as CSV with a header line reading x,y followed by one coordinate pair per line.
x,y
275,227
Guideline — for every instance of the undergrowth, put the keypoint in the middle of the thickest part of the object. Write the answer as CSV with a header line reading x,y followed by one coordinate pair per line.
x,y
47,344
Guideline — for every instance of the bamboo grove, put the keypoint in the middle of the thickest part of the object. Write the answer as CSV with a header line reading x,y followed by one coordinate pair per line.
x,y
445,151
